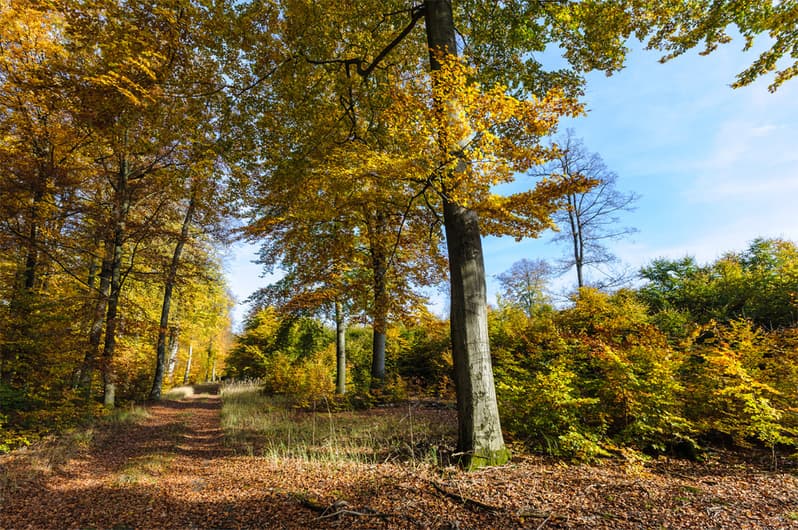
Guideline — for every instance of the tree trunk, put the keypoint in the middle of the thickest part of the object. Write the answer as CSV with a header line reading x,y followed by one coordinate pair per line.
x,y
171,278
187,373
98,320
378,358
173,349
576,235
379,267
340,349
119,222
17,352
32,251
479,430
211,360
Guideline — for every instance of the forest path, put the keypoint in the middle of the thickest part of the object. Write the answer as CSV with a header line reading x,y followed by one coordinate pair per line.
x,y
173,470
146,474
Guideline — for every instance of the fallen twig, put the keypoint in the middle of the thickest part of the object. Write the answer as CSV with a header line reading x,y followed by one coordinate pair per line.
x,y
339,508
468,502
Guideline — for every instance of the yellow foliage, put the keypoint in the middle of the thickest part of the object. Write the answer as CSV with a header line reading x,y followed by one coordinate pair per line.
x,y
475,139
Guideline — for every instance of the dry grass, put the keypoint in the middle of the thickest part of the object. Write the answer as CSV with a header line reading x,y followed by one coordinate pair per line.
x,y
178,393
260,425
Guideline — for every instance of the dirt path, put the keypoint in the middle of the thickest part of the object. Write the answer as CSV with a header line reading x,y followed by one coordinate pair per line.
x,y
147,475
173,471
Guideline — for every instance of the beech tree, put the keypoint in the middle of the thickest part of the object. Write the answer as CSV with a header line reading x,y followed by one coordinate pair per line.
x,y
132,96
39,154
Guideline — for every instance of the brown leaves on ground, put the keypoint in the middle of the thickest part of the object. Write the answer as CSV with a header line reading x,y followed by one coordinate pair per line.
x,y
173,471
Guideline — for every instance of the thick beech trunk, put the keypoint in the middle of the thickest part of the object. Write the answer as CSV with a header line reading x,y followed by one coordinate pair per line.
x,y
340,349
171,278
479,431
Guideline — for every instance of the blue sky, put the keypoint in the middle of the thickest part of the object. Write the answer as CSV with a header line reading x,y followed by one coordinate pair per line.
x,y
715,167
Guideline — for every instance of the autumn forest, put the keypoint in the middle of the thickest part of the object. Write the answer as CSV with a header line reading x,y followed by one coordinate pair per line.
x,y
366,148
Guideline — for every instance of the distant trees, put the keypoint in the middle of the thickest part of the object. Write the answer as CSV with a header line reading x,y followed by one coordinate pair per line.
x,y
695,355
759,283
611,372
524,284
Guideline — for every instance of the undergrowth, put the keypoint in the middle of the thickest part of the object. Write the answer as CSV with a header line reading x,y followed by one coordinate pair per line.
x,y
40,459
263,425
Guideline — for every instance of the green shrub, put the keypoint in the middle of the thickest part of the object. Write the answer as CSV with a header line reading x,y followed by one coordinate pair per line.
x,y
730,388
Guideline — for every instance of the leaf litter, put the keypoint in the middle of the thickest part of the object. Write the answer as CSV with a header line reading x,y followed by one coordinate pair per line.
x,y
173,470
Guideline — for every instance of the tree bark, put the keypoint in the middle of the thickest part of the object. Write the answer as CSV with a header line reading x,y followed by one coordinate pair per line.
x,y
32,251
211,360
119,222
17,354
98,321
480,438
576,235
479,429
340,349
187,373
171,278
173,349
379,267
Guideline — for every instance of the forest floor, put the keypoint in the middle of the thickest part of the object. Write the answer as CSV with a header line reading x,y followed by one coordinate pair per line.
x,y
173,469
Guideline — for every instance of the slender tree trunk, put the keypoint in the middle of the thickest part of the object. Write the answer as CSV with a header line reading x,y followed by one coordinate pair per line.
x,y
171,278
173,349
340,349
17,352
479,430
211,360
187,373
379,266
98,321
119,216
32,251
576,236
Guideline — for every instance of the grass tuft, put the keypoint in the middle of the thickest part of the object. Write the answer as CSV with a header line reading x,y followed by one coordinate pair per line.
x,y
144,469
127,415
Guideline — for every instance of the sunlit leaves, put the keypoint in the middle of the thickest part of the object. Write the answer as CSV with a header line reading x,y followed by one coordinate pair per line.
x,y
480,138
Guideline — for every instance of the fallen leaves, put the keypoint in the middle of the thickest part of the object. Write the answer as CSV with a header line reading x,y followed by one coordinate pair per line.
x,y
187,478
